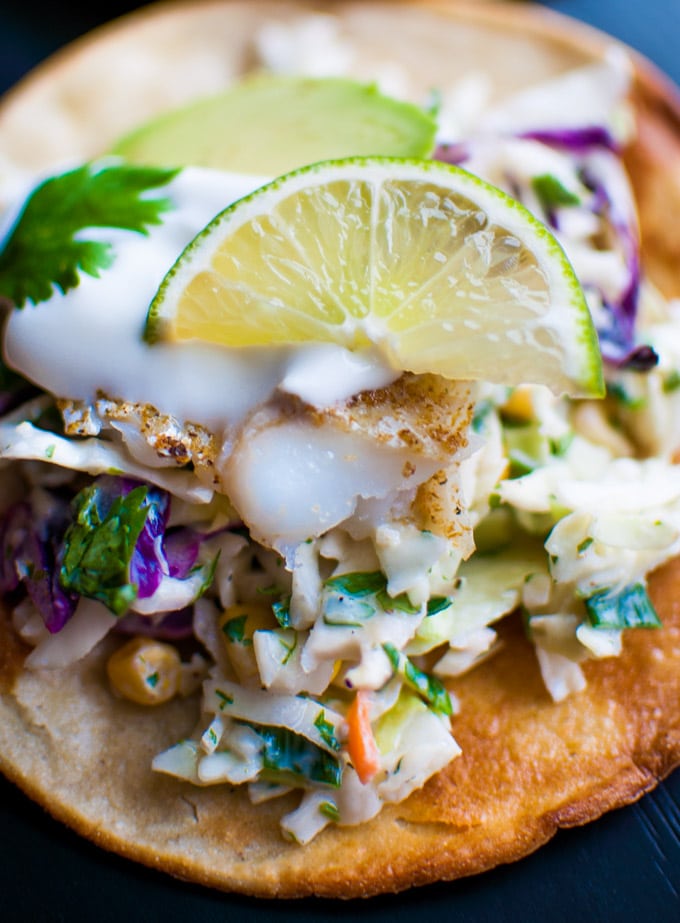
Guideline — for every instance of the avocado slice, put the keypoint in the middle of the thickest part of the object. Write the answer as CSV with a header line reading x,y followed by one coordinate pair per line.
x,y
269,125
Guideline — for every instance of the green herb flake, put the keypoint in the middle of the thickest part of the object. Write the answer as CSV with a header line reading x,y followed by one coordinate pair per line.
x,y
98,547
326,731
235,629
428,687
559,445
618,392
552,193
584,545
291,759
358,584
152,680
50,450
399,603
629,608
48,246
289,648
224,699
329,810
481,414
438,604
272,590
208,571
281,610
346,611
671,382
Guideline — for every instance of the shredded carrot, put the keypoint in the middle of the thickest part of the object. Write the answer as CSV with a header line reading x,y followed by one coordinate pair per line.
x,y
361,745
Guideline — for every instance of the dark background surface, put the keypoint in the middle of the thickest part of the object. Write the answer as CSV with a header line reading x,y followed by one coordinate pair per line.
x,y
624,867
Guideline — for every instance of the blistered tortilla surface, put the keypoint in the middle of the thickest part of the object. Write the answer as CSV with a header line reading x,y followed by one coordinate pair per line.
x,y
529,766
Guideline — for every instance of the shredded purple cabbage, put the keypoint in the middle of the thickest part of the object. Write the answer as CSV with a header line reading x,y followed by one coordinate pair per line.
x,y
32,545
30,557
617,336
148,560
171,627
455,152
576,140
181,548
617,332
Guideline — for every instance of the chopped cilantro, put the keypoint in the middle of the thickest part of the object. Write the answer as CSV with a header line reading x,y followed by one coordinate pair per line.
x,y
329,810
326,731
224,698
629,608
291,759
208,571
428,687
234,629
552,193
48,247
359,583
671,382
281,612
619,393
438,604
399,603
346,611
272,590
559,445
289,648
99,544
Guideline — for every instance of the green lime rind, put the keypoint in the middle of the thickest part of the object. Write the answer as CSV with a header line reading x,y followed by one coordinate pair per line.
x,y
268,125
582,375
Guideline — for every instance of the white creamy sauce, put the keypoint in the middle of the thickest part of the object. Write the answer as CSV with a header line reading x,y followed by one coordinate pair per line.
x,y
90,339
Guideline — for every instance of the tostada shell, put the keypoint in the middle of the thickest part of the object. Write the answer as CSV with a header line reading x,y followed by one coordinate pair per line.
x,y
529,765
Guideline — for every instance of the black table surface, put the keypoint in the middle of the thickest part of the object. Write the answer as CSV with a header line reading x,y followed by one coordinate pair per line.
x,y
625,866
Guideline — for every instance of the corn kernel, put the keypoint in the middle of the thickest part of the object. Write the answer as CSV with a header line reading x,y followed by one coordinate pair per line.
x,y
145,671
238,623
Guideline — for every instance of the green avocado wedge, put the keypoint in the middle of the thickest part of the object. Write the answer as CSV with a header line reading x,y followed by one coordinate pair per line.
x,y
269,125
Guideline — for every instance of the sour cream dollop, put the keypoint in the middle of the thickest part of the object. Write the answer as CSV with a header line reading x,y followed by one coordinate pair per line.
x,y
90,340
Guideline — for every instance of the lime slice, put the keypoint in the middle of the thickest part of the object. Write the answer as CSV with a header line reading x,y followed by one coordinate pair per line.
x,y
430,265
268,125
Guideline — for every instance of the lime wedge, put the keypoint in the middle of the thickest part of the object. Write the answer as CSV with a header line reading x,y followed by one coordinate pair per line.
x,y
268,125
430,265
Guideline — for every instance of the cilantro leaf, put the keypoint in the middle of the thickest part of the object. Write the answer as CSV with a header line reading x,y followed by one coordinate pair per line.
x,y
428,687
629,608
326,731
235,630
48,247
291,759
551,193
359,583
99,544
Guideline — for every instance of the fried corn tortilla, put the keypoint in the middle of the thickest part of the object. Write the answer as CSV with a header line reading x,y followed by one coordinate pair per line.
x,y
528,765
